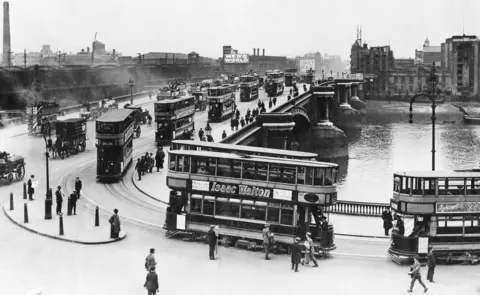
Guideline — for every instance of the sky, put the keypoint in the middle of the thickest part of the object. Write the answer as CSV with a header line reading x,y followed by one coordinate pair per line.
x,y
284,28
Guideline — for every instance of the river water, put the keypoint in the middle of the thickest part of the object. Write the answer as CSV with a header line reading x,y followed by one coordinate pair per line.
x,y
386,143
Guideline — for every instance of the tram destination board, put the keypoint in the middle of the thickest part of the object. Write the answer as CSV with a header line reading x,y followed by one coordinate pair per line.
x,y
458,207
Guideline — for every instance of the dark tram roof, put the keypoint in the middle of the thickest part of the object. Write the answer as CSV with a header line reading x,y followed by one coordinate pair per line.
x,y
117,115
261,159
249,149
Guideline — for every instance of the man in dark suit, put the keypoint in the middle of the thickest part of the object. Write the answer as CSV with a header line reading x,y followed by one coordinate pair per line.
x,y
387,220
151,282
431,262
31,189
59,196
78,186
296,254
212,242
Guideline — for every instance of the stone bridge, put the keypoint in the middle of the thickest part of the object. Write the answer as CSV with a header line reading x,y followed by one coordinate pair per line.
x,y
312,121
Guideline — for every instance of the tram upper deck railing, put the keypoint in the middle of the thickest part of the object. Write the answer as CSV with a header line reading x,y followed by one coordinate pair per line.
x,y
288,171
233,148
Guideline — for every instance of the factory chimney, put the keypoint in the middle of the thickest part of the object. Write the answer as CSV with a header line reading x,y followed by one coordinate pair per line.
x,y
253,51
258,51
263,51
113,53
6,34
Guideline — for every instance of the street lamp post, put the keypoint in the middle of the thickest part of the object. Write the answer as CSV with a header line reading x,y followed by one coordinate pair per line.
x,y
130,83
48,195
431,96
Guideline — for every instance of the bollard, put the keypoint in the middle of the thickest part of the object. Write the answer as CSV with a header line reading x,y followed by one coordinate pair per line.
x,y
61,224
25,213
24,190
11,201
97,219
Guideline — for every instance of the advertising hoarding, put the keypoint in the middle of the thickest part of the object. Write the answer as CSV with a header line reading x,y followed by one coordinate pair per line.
x,y
307,64
236,59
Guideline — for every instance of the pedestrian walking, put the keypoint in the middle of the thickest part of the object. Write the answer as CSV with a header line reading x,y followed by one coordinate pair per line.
x,y
31,183
415,274
210,138
78,186
270,103
200,133
150,260
59,198
259,104
237,114
291,91
236,124
289,97
309,250
387,220
296,251
242,122
274,101
212,242
151,162
232,123
115,226
431,263
224,134
267,240
151,282
138,167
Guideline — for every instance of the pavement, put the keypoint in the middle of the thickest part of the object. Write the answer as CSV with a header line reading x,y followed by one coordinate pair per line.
x,y
78,228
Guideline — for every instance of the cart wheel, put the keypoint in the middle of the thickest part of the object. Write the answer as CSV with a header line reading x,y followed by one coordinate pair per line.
x,y
20,172
82,147
10,177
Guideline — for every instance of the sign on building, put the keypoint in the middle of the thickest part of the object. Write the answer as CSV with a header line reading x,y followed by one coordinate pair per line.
x,y
307,64
236,59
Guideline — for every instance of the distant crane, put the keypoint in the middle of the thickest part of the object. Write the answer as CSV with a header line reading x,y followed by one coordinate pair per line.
x,y
93,47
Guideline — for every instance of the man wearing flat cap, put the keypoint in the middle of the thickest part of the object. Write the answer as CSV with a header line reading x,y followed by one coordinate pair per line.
x,y
212,241
267,240
431,264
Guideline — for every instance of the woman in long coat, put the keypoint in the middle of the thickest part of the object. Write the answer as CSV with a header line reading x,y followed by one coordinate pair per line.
x,y
114,225
296,254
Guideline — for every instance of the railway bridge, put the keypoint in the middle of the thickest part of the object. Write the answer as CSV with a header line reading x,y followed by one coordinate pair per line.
x,y
312,121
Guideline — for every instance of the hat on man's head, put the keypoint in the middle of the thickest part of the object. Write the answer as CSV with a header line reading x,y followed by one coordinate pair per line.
x,y
309,234
297,239
212,226
267,224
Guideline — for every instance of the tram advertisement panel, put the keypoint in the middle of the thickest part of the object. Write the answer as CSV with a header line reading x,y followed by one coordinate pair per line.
x,y
242,190
458,207
184,112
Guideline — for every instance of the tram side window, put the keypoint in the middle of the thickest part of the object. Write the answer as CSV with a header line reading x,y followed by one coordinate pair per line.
x,y
286,215
229,168
282,174
273,213
451,186
328,176
447,226
208,207
255,170
309,176
173,160
319,176
335,175
253,212
227,209
472,225
128,149
201,165
179,163
196,206
471,188
428,187
301,175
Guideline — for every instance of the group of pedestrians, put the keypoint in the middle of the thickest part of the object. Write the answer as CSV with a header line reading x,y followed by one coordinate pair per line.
x,y
146,163
204,137
388,219
72,198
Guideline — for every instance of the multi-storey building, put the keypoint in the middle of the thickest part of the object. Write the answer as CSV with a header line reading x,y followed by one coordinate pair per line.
x,y
429,54
28,59
460,57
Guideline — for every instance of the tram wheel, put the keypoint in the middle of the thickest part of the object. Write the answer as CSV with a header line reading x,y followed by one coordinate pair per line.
x,y
252,246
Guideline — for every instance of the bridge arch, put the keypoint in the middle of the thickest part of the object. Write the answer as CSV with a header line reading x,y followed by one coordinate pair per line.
x,y
300,113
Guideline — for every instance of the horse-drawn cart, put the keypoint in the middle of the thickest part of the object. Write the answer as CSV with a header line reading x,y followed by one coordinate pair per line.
x,y
11,167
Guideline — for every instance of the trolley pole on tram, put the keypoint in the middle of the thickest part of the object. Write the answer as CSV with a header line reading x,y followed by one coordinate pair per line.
x,y
431,95
130,83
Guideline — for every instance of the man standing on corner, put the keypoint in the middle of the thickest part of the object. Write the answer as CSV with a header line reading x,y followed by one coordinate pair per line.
x,y
31,189
431,262
78,186
387,220
212,242
266,240
114,225
59,196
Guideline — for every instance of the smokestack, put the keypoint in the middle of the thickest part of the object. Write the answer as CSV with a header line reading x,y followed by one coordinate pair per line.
x,y
113,53
253,51
263,51
6,34
258,51
88,49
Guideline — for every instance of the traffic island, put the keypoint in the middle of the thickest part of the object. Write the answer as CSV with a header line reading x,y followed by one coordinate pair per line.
x,y
78,228
153,185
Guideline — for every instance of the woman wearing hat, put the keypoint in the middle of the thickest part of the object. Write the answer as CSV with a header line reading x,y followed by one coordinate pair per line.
x,y
114,225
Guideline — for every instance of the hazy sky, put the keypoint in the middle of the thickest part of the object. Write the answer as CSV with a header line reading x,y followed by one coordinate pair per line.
x,y
281,27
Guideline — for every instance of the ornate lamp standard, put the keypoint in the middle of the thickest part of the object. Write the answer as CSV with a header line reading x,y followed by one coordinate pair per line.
x,y
130,83
430,94
48,144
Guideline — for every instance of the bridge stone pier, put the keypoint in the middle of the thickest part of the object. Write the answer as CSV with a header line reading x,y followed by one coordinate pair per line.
x,y
355,101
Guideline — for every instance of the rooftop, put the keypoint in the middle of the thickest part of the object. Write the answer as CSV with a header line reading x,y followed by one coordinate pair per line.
x,y
115,115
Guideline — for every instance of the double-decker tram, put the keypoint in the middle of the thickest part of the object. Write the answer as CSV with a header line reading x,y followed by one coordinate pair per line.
x,y
221,103
274,84
290,77
248,88
114,135
445,206
240,149
241,194
174,119
310,76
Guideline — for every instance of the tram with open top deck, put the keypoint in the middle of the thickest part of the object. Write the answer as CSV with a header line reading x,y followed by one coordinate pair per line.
x,y
240,149
445,206
242,193
114,135
221,103
274,83
290,77
174,119
248,88
310,76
